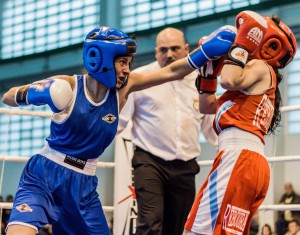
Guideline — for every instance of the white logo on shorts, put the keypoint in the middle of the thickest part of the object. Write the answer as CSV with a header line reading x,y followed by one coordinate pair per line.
x,y
24,208
235,219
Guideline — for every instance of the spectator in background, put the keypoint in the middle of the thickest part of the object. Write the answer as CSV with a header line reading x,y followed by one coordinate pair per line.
x,y
10,198
293,227
46,230
6,212
284,217
2,221
111,225
254,226
266,230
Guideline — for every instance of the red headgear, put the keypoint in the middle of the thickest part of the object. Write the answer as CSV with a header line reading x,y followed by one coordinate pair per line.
x,y
279,44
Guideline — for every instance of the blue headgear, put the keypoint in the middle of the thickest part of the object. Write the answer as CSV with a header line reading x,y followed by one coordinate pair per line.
x,y
101,47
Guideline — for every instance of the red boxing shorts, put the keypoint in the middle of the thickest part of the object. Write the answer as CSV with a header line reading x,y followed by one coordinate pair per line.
x,y
235,187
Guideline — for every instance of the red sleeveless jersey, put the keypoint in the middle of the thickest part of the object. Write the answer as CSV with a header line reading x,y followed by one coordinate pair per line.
x,y
252,112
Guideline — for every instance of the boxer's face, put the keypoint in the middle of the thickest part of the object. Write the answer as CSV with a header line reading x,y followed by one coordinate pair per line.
x,y
122,66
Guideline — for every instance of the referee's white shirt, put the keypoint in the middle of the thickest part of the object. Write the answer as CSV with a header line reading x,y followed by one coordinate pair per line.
x,y
166,120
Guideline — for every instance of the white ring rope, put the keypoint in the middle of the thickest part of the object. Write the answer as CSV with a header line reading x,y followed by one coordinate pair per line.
x,y
25,159
284,109
6,205
270,160
291,207
16,111
22,112
201,163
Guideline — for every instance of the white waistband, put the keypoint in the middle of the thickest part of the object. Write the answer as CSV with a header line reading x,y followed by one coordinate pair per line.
x,y
235,138
88,166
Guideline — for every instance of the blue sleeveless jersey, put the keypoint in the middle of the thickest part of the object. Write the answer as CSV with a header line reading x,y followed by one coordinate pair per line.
x,y
85,129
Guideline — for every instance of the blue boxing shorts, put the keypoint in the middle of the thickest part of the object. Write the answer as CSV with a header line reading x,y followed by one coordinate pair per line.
x,y
54,191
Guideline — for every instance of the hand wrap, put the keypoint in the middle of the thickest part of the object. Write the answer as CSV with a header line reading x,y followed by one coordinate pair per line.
x,y
206,81
57,93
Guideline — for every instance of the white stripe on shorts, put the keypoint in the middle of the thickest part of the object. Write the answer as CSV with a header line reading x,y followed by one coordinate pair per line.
x,y
213,194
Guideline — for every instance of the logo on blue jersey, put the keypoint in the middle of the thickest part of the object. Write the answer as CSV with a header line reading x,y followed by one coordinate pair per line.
x,y
109,118
24,208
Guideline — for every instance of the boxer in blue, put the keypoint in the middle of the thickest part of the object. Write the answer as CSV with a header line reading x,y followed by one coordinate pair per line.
x,y
58,185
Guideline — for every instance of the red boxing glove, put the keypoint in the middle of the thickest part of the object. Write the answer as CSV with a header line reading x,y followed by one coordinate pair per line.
x,y
206,81
251,30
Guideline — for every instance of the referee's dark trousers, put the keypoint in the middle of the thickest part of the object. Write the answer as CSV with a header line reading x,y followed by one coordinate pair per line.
x,y
165,192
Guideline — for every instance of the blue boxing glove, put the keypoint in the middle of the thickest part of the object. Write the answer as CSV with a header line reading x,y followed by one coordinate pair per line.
x,y
57,93
213,46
